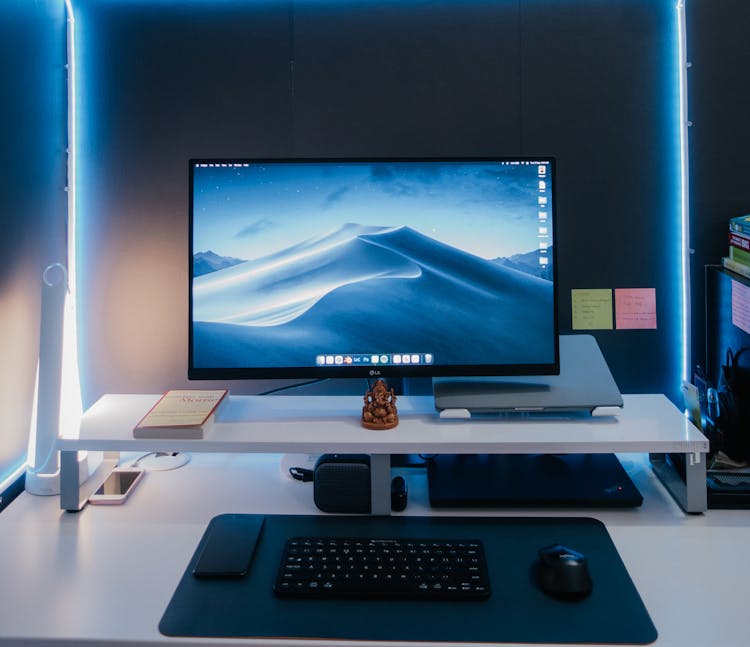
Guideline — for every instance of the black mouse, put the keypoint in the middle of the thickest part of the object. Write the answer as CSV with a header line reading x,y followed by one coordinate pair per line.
x,y
563,572
398,494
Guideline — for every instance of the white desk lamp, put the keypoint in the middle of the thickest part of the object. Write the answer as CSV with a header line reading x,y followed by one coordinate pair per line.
x,y
57,407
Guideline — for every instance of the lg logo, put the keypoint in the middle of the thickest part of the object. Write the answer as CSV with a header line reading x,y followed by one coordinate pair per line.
x,y
374,373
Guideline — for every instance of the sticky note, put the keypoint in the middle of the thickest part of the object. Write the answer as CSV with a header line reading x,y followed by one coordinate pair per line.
x,y
635,308
591,309
741,306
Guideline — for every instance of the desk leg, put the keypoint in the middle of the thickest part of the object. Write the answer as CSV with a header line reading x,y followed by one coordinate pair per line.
x,y
69,481
76,488
691,492
380,484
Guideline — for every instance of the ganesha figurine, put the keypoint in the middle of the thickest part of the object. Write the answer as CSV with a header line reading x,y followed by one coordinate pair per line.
x,y
379,410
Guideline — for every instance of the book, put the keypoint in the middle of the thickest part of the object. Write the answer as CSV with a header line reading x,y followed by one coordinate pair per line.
x,y
181,413
737,268
739,248
740,225
739,256
740,241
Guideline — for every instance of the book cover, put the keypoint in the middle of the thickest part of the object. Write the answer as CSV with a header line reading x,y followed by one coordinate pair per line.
x,y
741,241
181,413
740,225
737,268
739,255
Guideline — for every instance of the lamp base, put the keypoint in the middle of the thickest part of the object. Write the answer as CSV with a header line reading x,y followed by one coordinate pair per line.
x,y
48,484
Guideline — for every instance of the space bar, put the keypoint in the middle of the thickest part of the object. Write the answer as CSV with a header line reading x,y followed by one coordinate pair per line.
x,y
392,590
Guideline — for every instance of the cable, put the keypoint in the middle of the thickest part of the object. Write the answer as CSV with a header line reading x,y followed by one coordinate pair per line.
x,y
294,386
301,474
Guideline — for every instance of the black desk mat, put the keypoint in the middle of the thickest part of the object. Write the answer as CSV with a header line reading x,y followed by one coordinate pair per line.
x,y
517,610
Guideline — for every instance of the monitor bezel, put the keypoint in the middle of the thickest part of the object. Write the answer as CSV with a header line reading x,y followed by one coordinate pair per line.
x,y
385,371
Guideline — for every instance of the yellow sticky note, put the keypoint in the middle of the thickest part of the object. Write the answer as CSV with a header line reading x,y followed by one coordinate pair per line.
x,y
635,308
592,309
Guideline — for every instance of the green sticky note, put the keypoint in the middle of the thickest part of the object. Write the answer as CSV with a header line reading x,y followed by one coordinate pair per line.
x,y
592,309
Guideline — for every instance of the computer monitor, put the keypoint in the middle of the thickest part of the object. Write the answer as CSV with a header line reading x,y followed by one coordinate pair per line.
x,y
372,268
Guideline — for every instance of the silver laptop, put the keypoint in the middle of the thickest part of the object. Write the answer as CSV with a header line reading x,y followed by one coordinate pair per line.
x,y
585,384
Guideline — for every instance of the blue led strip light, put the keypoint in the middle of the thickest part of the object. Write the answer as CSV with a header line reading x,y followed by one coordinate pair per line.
x,y
684,206
70,384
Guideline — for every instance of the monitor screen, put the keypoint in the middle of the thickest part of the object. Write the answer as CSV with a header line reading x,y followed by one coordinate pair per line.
x,y
380,267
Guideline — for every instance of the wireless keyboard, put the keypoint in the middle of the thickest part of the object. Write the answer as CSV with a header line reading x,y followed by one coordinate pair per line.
x,y
386,568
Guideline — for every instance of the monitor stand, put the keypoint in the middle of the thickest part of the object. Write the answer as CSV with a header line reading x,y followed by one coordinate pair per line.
x,y
584,384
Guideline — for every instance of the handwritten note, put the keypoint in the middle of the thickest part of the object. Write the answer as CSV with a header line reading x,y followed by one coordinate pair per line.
x,y
635,308
741,306
591,309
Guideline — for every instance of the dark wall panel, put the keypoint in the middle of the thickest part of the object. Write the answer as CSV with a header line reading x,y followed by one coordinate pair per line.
x,y
161,83
719,104
584,80
409,78
597,92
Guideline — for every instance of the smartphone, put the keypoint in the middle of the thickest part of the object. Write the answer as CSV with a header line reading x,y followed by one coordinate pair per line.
x,y
229,545
118,486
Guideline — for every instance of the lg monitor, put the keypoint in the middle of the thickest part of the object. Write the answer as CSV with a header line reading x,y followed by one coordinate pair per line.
x,y
372,267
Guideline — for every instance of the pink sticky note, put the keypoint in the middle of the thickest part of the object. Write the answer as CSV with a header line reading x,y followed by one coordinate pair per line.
x,y
635,308
741,306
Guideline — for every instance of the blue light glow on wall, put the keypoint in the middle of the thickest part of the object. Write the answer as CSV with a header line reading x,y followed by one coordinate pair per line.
x,y
78,87
32,158
684,280
89,125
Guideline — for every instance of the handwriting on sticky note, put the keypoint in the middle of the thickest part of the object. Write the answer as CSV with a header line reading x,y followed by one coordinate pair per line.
x,y
591,309
741,306
635,308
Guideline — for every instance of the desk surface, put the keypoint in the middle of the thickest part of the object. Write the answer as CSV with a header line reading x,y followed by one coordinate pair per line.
x,y
108,573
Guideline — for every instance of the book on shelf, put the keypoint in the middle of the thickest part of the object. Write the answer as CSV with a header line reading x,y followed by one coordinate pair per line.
x,y
181,413
739,244
737,268
739,255
740,225
740,241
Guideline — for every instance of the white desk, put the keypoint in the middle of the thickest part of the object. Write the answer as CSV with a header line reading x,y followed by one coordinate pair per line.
x,y
315,425
107,574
